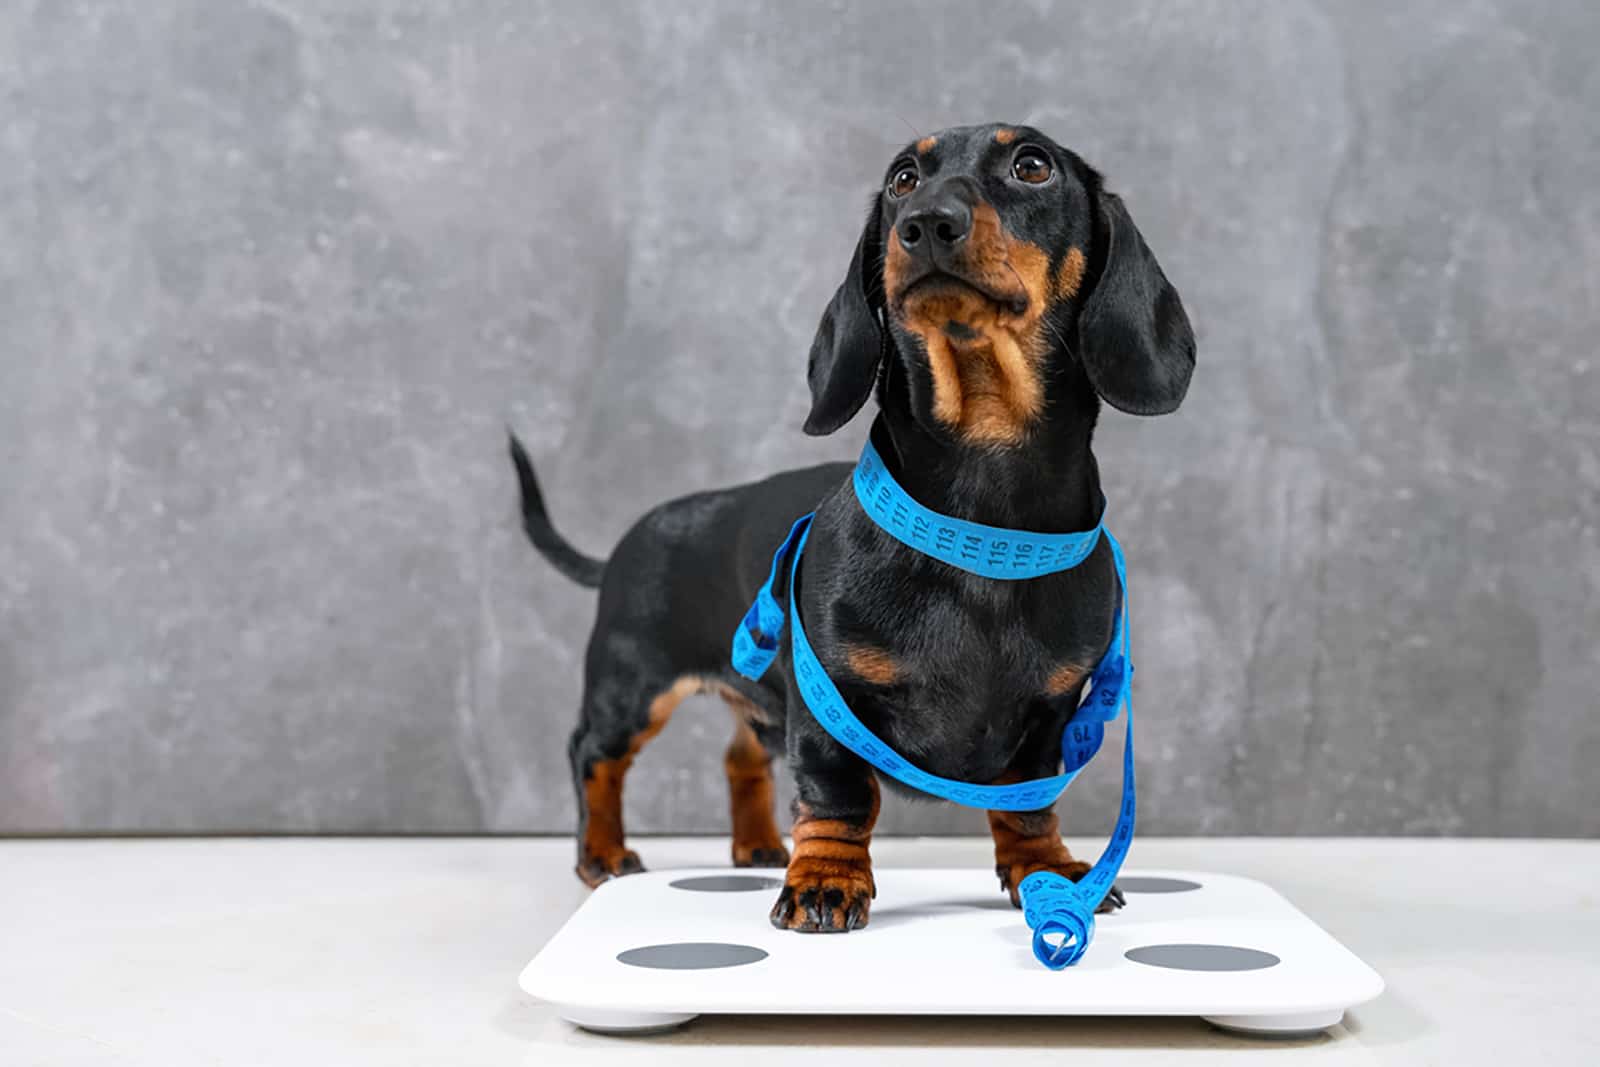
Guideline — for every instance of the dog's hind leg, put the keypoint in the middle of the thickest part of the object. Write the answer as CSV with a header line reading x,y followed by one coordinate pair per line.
x,y
619,718
757,841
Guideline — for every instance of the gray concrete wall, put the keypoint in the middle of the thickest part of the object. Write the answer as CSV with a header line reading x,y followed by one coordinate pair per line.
x,y
274,276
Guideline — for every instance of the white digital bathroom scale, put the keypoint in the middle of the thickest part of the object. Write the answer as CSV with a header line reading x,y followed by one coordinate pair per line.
x,y
651,951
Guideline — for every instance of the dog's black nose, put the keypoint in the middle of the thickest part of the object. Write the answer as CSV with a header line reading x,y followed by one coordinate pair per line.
x,y
936,224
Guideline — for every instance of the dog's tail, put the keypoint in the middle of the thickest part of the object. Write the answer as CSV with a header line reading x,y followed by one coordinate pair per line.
x,y
585,570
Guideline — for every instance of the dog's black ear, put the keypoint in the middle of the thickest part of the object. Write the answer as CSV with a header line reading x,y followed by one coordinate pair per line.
x,y
1133,336
850,340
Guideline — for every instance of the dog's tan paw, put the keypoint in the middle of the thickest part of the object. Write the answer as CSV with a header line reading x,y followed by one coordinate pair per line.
x,y
824,896
596,868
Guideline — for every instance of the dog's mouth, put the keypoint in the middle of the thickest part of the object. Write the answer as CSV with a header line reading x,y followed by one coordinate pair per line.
x,y
943,283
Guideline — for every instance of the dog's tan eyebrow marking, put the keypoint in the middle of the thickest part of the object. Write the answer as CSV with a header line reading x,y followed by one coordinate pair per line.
x,y
1004,136
925,145
1069,275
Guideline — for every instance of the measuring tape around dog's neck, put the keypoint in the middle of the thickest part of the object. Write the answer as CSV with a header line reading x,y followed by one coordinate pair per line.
x,y
1060,912
987,551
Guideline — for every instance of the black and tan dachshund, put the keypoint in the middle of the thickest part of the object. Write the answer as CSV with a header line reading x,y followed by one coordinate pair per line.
x,y
998,293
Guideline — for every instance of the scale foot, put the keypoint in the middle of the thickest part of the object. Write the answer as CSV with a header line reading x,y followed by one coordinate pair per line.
x,y
633,1023
1293,1024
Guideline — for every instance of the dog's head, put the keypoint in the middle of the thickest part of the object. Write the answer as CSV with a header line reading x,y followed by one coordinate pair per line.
x,y
992,259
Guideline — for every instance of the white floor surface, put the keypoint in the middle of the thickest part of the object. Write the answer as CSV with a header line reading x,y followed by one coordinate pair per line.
x,y
351,951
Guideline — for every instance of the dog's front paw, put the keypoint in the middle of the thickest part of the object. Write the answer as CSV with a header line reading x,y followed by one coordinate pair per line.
x,y
597,867
1012,874
824,896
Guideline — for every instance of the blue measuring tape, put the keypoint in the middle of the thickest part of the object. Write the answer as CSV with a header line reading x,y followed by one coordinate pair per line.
x,y
988,551
1059,911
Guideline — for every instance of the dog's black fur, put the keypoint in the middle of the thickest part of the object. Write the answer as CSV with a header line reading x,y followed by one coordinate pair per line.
x,y
989,249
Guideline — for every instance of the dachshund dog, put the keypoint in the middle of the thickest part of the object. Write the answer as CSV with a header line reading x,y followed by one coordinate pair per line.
x,y
998,293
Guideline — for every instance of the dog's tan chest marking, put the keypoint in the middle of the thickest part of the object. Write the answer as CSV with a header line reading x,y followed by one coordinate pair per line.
x,y
1064,679
875,666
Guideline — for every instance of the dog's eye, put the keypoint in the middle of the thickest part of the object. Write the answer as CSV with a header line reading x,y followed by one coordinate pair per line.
x,y
1031,166
903,180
